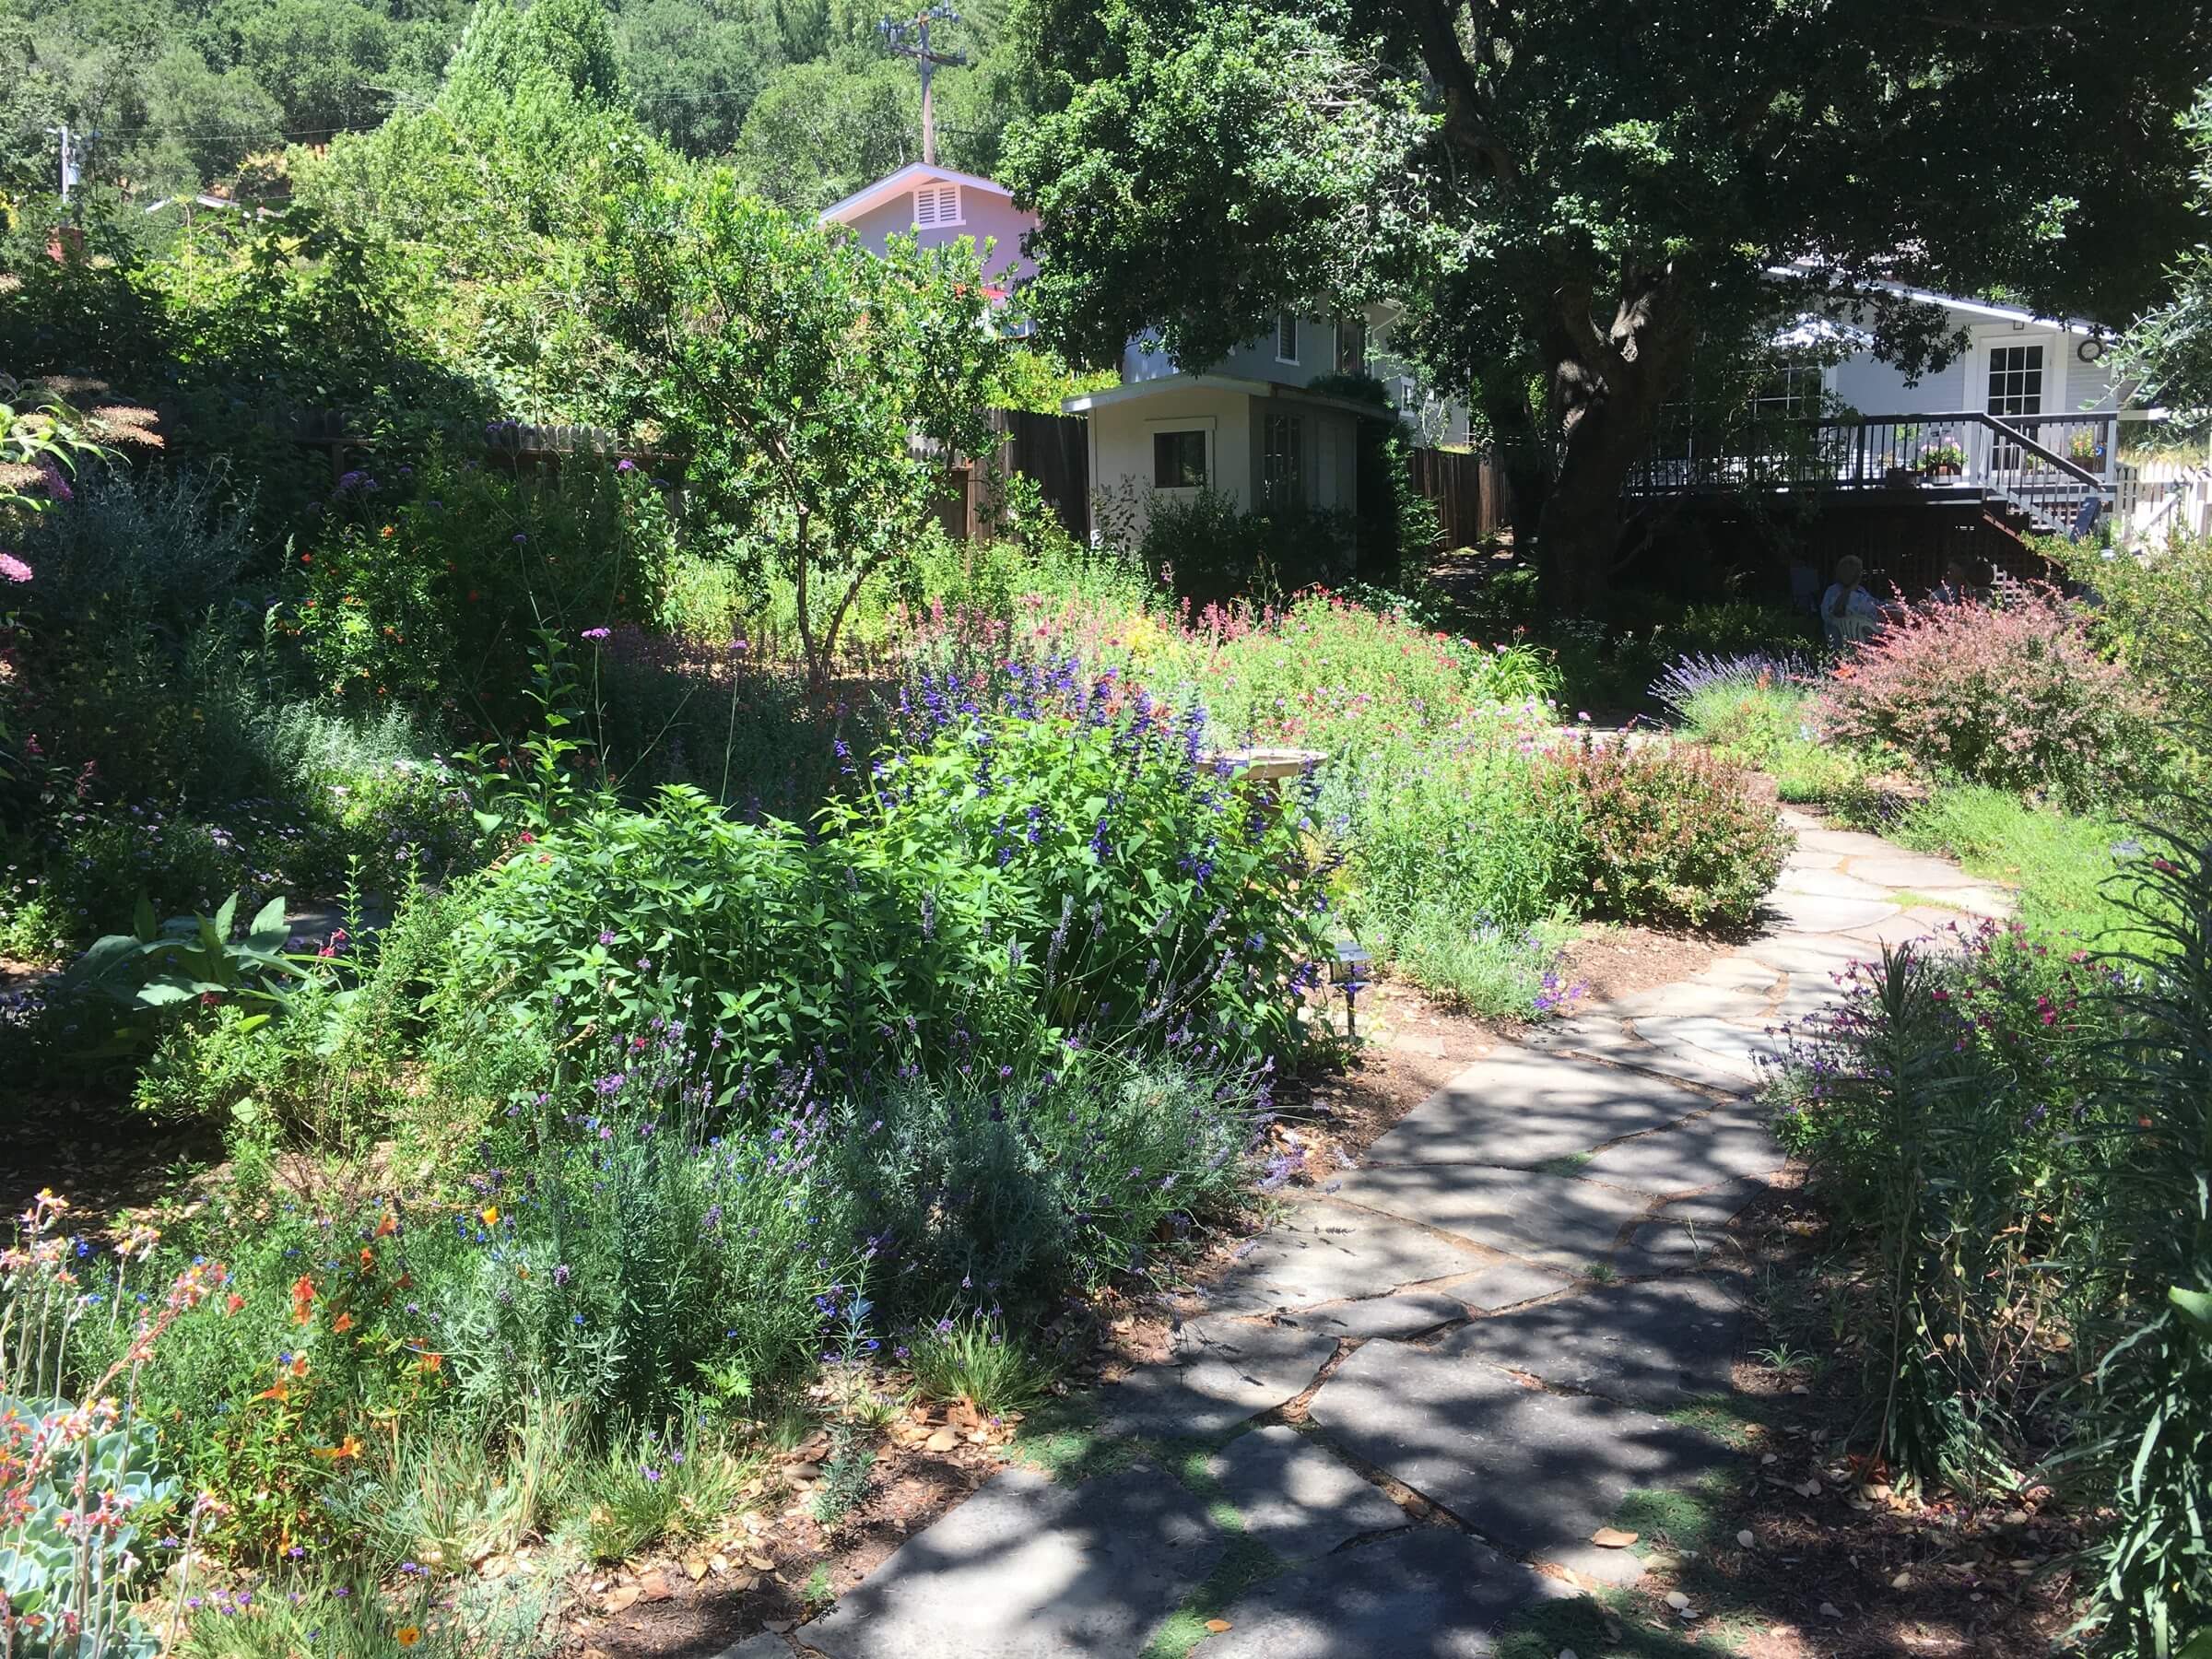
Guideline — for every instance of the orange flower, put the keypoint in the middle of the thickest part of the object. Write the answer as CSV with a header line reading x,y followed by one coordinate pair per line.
x,y
406,1635
280,1393
389,531
490,1215
348,1447
299,1365
388,1226
430,1362
233,1303
368,1259
343,1324
303,1299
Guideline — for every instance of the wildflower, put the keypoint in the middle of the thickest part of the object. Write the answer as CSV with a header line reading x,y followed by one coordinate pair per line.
x,y
597,633
388,1226
340,1326
407,1635
303,1299
14,568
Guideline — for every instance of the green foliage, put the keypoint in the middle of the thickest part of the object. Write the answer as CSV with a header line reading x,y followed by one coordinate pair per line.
x,y
2063,866
2149,1429
1565,223
287,1616
54,1568
1207,550
436,597
844,1480
2168,352
973,1359
1945,1105
2154,611
672,1482
1015,1192
1661,831
819,131
823,436
2012,695
1009,882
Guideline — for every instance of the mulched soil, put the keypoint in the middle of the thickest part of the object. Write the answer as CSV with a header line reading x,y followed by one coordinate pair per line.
x,y
1842,1564
1609,962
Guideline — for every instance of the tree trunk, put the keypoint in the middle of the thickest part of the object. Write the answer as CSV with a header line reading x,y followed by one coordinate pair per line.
x,y
1607,388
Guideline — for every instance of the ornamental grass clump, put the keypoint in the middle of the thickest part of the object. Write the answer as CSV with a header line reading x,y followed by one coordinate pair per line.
x,y
2012,694
1946,1106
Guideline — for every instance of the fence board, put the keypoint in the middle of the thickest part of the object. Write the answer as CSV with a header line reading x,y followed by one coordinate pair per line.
x,y
1467,489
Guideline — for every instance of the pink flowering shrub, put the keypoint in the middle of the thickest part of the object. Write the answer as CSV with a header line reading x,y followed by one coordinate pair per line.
x,y
2013,696
1660,832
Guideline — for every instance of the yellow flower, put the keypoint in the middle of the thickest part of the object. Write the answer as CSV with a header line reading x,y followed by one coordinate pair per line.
x,y
407,1635
490,1215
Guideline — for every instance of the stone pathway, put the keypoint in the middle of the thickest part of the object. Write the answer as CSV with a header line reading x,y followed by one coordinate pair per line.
x,y
1486,1334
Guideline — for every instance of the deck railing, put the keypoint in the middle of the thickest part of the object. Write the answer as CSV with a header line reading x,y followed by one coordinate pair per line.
x,y
2045,467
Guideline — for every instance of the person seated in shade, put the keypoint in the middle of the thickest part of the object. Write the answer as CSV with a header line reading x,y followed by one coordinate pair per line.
x,y
1958,586
1848,612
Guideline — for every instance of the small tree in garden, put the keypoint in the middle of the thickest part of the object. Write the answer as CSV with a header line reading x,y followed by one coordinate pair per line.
x,y
823,394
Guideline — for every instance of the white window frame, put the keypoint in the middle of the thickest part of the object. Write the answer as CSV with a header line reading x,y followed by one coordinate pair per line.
x,y
1297,487
1286,323
1206,425
1357,327
935,195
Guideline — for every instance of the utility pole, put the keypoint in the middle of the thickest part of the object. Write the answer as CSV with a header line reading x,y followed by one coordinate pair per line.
x,y
910,38
70,171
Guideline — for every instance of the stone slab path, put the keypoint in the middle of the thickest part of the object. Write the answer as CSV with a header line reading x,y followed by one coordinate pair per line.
x,y
1486,1334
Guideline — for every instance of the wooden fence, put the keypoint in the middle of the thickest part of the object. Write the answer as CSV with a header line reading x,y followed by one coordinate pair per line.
x,y
1468,490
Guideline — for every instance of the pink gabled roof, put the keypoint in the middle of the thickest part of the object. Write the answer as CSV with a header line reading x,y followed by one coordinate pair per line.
x,y
898,183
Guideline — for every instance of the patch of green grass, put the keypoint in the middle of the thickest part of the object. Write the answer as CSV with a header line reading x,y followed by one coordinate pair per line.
x,y
1062,1439
1596,1628
2066,869
1245,1561
1601,1273
1681,1522
1567,1163
1732,1419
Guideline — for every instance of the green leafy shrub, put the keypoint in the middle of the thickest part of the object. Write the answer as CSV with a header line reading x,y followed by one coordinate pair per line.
x,y
670,1482
1070,864
430,588
2154,609
986,1191
1207,549
2012,695
972,1358
1661,832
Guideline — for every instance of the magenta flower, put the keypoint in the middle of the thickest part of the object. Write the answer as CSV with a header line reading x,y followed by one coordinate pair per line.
x,y
597,633
14,568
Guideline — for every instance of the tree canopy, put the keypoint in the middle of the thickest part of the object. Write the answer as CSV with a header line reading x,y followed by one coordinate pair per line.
x,y
1568,200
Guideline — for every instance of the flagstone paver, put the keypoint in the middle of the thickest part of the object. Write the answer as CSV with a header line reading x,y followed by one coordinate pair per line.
x,y
1026,1569
1501,1310
1221,1372
1327,1251
1432,1594
1532,1471
1295,1497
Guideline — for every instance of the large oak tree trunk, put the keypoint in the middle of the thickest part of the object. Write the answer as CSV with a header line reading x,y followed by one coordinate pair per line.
x,y
1609,385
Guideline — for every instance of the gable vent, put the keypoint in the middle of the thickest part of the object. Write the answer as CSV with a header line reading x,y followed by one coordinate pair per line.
x,y
936,204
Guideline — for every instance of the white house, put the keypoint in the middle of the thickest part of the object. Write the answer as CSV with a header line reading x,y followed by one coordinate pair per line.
x,y
1250,428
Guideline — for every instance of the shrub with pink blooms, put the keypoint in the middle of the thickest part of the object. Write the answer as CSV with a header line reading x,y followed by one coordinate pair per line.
x,y
2013,695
